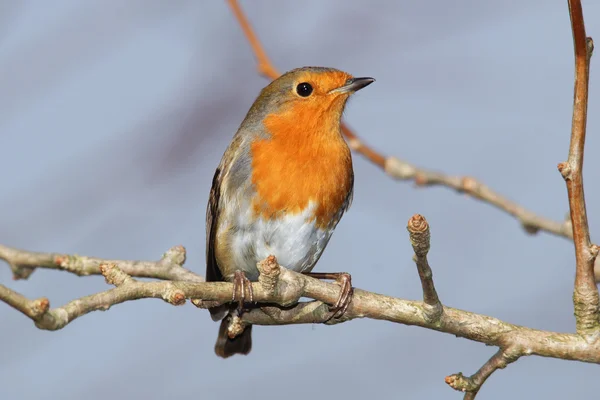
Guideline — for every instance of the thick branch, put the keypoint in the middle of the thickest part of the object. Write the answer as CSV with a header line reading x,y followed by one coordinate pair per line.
x,y
403,170
288,287
585,295
169,267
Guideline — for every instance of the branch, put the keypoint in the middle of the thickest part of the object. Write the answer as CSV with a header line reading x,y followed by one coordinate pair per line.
x,y
585,296
284,287
127,289
402,170
169,267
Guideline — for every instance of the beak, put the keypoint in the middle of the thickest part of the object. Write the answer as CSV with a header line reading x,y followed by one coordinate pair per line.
x,y
354,84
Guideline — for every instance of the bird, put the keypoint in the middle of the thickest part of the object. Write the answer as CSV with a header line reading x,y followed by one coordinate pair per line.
x,y
280,189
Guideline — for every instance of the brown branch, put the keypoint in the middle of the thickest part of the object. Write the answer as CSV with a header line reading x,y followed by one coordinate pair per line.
x,y
264,65
530,221
585,295
283,287
169,267
402,170
471,384
419,234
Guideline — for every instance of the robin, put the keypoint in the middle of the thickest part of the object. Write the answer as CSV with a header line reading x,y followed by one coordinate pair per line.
x,y
281,188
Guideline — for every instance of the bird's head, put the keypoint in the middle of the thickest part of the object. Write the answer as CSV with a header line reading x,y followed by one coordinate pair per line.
x,y
306,100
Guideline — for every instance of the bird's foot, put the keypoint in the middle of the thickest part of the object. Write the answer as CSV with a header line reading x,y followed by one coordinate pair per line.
x,y
345,298
241,284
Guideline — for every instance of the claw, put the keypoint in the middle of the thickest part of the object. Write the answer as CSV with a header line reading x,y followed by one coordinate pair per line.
x,y
240,284
345,298
346,291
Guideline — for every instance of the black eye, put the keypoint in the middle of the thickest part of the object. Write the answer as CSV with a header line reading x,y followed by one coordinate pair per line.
x,y
304,89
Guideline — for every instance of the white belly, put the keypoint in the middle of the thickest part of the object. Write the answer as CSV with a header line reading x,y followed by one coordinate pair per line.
x,y
293,239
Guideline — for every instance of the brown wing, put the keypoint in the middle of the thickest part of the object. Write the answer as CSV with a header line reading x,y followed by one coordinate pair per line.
x,y
236,167
213,273
350,195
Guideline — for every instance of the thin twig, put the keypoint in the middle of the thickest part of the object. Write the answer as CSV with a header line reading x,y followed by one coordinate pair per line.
x,y
127,289
420,236
585,295
530,221
169,267
264,65
402,170
33,309
471,385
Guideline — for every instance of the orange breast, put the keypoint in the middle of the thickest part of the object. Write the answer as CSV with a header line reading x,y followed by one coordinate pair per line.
x,y
304,160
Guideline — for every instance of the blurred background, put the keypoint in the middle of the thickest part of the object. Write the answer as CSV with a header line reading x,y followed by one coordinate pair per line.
x,y
113,116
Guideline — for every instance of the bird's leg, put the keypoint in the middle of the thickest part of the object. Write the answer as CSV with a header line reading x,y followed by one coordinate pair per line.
x,y
240,282
346,291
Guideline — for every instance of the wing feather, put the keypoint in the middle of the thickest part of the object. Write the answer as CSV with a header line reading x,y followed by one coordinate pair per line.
x,y
213,273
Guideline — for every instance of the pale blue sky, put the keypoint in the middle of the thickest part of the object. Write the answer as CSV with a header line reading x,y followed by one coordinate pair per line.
x,y
115,114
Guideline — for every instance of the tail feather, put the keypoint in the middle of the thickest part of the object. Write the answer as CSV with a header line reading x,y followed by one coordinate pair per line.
x,y
241,344
219,312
